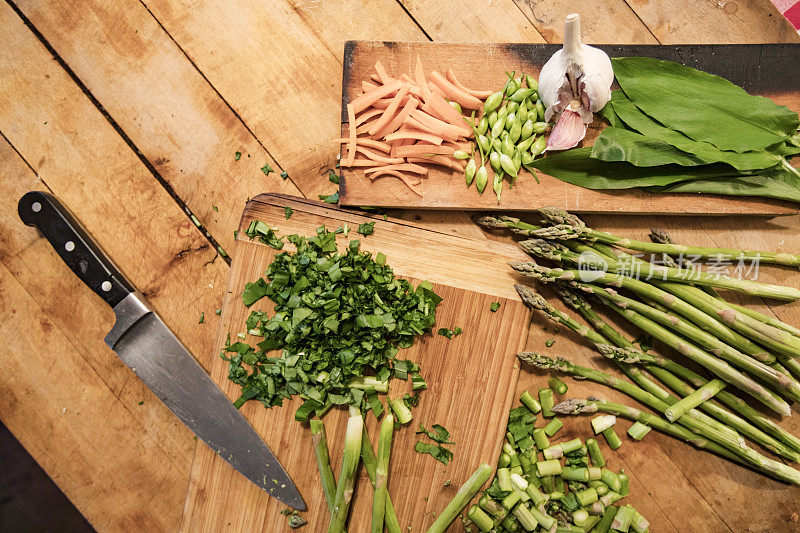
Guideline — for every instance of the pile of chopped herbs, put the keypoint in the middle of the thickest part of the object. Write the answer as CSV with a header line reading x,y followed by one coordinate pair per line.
x,y
339,320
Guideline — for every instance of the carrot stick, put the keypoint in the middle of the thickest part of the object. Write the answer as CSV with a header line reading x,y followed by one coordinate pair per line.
x,y
419,74
435,89
451,76
417,125
405,77
389,114
384,77
351,145
449,113
375,77
383,103
438,160
364,128
370,143
423,150
445,129
407,167
398,121
368,98
401,177
366,115
463,98
418,135
360,163
378,157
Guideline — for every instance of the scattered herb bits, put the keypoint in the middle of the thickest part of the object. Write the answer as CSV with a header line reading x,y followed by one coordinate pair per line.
x,y
237,156
494,307
365,229
450,333
288,211
266,169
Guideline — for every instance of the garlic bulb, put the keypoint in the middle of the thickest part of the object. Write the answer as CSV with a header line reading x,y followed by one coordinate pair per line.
x,y
574,83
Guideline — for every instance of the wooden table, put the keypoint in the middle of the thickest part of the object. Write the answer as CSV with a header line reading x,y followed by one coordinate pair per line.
x,y
131,113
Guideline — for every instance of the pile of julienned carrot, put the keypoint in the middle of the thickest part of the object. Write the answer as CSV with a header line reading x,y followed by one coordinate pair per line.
x,y
397,124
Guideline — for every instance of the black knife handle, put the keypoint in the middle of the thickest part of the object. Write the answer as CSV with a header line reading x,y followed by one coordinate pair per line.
x,y
73,244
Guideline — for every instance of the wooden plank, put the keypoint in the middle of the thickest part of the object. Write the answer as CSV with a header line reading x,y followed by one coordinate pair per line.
x,y
119,477
602,21
724,21
63,137
462,20
167,108
444,189
461,395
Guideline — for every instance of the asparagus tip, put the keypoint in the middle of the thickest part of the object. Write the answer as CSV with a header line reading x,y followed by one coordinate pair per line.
x,y
575,406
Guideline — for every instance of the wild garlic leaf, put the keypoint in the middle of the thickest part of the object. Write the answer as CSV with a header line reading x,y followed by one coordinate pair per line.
x,y
633,117
772,183
577,167
703,106
619,144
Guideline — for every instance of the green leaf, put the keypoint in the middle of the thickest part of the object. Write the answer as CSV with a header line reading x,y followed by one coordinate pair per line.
x,y
333,177
288,211
436,433
771,183
577,167
438,452
619,144
367,228
266,169
237,156
254,292
703,106
330,198
494,307
705,153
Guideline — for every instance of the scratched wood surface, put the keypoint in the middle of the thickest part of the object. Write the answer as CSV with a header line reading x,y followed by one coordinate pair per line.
x,y
761,69
132,111
470,377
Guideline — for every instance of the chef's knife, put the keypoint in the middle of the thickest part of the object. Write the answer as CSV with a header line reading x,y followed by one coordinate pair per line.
x,y
149,348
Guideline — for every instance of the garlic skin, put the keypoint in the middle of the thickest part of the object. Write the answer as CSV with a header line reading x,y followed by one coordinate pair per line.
x,y
576,80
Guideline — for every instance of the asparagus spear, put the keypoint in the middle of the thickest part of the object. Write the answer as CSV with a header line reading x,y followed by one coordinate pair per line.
x,y
721,368
572,227
320,441
629,265
706,392
461,499
346,484
788,449
756,368
718,433
382,474
666,370
371,465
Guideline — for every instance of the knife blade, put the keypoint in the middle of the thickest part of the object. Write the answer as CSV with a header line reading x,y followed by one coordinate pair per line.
x,y
145,343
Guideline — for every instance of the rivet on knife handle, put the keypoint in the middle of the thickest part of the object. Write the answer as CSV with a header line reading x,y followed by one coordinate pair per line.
x,y
83,256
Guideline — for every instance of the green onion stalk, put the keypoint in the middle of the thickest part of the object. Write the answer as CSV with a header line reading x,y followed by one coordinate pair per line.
x,y
465,493
382,474
371,464
346,483
320,441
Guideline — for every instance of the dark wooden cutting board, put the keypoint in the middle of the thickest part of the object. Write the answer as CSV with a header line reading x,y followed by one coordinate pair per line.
x,y
771,70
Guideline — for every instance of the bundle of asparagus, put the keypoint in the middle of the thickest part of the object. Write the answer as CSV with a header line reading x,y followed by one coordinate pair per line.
x,y
676,304
533,491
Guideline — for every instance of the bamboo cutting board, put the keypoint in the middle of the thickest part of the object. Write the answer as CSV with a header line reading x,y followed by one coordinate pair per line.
x,y
768,70
471,378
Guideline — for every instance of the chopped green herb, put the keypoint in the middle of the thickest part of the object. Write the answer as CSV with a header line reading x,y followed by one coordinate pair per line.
x,y
437,433
141,403
214,207
549,342
285,175
367,228
446,483
336,318
450,333
237,156
266,169
329,199
494,307
202,318
385,216
288,211
438,452
218,312
264,233
333,177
